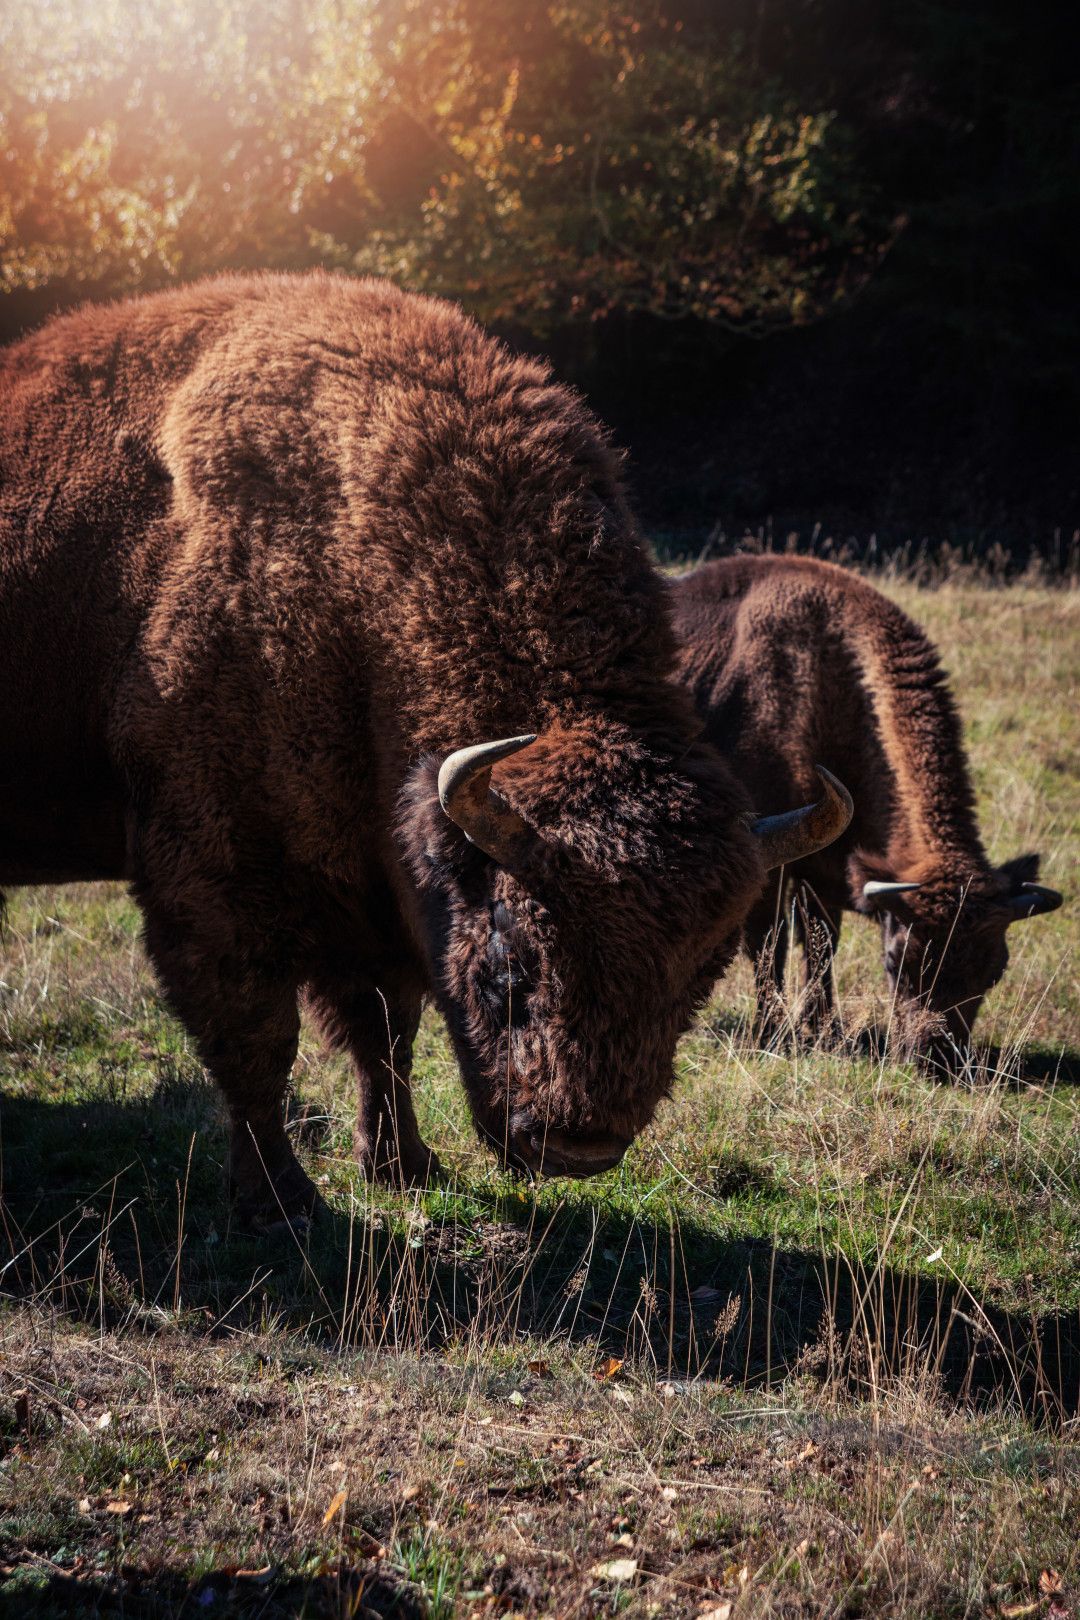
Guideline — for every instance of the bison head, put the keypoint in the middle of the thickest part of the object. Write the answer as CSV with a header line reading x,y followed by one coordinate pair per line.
x,y
944,941
582,891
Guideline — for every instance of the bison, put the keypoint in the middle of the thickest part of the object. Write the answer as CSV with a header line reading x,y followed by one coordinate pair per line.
x,y
791,660
325,624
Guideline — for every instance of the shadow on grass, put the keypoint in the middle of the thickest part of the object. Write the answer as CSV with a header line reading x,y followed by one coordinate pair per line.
x,y
113,1210
41,1590
1016,1068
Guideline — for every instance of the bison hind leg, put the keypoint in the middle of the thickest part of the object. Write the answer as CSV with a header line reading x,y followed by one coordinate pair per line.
x,y
767,938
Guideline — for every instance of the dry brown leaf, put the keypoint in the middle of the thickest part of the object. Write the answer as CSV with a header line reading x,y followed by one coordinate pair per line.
x,y
608,1367
119,1507
103,1421
541,1368
1049,1582
1013,1611
337,1502
722,1611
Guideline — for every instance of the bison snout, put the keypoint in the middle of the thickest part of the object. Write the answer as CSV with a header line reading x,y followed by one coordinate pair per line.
x,y
543,1150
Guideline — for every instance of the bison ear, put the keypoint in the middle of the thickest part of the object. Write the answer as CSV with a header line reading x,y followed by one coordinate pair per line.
x,y
1025,897
1020,870
874,886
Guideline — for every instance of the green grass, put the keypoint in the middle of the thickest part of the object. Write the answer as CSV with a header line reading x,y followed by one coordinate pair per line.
x,y
825,1252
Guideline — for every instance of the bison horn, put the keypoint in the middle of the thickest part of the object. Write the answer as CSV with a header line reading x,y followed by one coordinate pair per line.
x,y
797,833
880,891
485,818
1032,901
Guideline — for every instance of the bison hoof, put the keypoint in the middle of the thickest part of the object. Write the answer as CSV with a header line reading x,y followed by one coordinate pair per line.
x,y
393,1166
287,1202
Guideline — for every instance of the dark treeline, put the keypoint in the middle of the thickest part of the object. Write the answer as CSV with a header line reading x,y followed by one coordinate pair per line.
x,y
941,399
812,259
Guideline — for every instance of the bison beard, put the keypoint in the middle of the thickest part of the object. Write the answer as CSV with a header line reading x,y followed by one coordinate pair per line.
x,y
271,550
791,660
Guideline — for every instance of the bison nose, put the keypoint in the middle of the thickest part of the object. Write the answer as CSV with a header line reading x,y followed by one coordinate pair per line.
x,y
543,1150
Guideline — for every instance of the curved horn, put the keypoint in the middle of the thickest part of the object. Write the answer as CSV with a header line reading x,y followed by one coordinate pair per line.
x,y
468,799
878,891
796,833
1033,901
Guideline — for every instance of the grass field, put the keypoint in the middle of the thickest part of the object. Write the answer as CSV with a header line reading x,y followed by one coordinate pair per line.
x,y
812,1349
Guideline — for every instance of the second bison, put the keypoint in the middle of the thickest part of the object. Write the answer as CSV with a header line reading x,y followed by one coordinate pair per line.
x,y
791,660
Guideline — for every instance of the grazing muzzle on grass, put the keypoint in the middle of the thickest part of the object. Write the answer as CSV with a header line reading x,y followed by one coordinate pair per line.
x,y
577,911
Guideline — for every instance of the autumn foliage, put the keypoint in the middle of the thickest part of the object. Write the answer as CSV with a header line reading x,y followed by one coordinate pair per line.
x,y
540,162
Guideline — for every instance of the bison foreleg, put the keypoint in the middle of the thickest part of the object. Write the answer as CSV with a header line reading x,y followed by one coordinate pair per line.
x,y
377,1029
245,1022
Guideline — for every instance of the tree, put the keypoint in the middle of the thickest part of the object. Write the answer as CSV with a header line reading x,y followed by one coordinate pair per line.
x,y
541,163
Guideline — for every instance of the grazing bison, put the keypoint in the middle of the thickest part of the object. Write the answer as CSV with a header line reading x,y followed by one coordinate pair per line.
x,y
790,660
291,570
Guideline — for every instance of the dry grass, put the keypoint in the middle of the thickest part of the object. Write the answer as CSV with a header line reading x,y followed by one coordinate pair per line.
x,y
813,1349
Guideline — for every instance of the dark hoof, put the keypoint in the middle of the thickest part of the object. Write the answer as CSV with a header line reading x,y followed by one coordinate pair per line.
x,y
421,1168
288,1204
262,1225
269,1219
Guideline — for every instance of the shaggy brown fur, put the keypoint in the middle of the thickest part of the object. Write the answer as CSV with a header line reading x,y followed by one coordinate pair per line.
x,y
792,661
270,548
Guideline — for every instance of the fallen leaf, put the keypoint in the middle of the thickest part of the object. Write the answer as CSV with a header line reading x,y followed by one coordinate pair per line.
x,y
337,1502
1013,1611
608,1367
103,1421
615,1569
516,1398
722,1611
541,1368
1049,1582
669,1493
119,1507
85,1504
